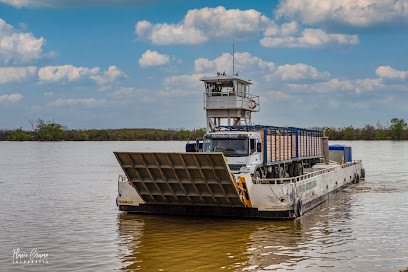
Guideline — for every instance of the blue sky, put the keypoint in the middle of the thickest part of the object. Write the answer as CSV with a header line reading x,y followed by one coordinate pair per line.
x,y
136,64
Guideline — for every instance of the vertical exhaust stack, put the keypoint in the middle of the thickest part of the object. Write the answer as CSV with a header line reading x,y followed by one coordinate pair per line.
x,y
325,147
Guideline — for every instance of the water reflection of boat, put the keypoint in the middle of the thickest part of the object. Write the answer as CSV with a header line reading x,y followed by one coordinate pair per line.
x,y
313,243
154,242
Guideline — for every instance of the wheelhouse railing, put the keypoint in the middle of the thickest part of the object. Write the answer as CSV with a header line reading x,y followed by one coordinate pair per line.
x,y
231,99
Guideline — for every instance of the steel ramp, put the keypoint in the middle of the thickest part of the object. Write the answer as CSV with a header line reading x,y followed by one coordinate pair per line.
x,y
199,179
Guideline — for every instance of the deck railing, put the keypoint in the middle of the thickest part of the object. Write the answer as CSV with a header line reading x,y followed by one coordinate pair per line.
x,y
303,177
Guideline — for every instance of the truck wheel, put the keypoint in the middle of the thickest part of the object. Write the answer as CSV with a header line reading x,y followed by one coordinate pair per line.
x,y
298,169
257,174
291,169
270,175
362,173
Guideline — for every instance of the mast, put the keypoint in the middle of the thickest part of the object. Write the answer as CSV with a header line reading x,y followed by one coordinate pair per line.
x,y
233,60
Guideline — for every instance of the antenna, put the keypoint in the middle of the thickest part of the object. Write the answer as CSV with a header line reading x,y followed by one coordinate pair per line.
x,y
233,59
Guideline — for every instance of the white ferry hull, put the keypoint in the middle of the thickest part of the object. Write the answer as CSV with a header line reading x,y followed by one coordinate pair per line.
x,y
285,198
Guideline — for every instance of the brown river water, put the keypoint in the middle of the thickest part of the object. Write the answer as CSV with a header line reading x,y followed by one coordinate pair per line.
x,y
58,213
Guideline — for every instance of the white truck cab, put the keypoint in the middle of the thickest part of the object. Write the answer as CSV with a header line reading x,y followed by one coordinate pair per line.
x,y
243,150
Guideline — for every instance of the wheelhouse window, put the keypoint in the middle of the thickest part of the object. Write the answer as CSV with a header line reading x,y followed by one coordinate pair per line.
x,y
241,89
230,147
220,88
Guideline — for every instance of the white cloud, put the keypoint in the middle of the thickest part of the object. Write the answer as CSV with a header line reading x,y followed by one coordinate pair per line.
x,y
71,73
126,93
244,63
67,72
76,3
388,72
16,74
247,63
12,97
19,48
81,101
111,75
293,35
279,96
153,58
356,13
48,94
335,84
182,85
300,71
123,91
202,25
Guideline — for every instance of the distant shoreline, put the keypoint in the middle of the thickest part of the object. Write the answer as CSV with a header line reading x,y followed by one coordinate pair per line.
x,y
51,131
191,140
99,135
56,133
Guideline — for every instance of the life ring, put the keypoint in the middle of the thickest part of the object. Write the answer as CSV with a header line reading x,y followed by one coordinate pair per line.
x,y
252,104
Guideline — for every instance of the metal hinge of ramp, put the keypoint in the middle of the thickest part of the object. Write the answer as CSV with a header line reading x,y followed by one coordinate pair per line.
x,y
201,179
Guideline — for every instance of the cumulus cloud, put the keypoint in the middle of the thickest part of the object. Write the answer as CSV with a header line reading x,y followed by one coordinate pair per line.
x,y
71,73
300,71
153,58
108,77
182,85
19,48
244,62
293,35
48,94
80,101
75,3
247,63
123,91
279,96
16,74
11,98
143,95
67,72
201,25
388,72
335,84
355,13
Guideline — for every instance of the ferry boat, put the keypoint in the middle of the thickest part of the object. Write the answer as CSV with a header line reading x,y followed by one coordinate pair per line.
x,y
239,169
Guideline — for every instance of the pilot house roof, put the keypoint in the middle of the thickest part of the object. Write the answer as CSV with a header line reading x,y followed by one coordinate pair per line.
x,y
224,78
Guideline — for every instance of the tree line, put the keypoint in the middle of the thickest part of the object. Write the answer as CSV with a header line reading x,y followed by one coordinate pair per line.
x,y
51,131
396,131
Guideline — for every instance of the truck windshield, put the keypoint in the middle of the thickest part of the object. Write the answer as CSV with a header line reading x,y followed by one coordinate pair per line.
x,y
230,147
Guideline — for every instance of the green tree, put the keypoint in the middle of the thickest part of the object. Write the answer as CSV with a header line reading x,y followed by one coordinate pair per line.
x,y
380,135
368,133
48,131
398,126
18,135
349,133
